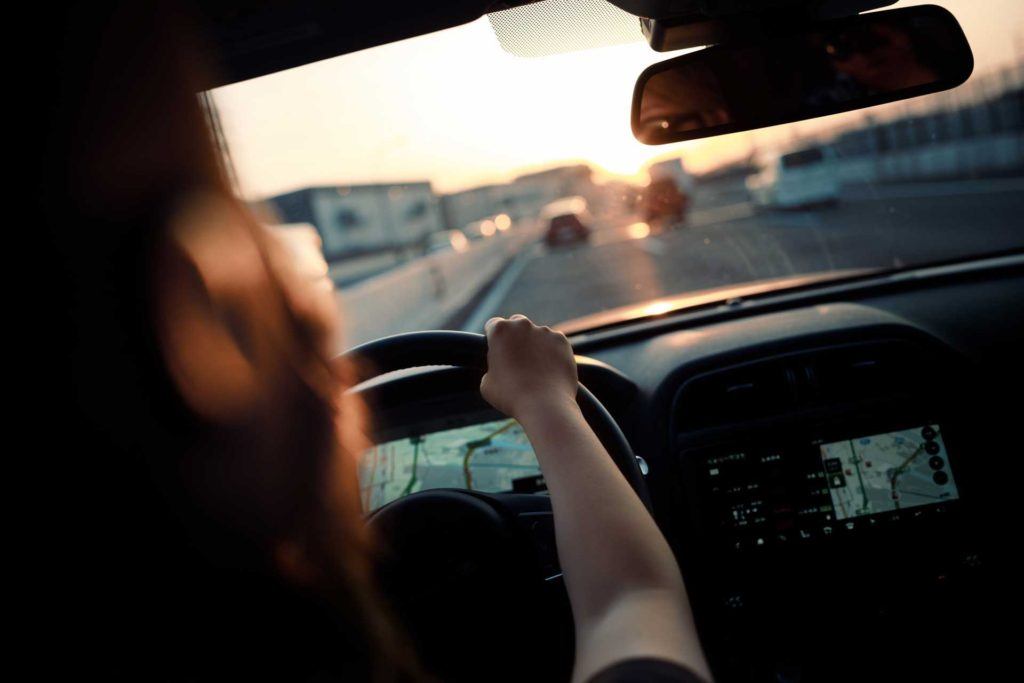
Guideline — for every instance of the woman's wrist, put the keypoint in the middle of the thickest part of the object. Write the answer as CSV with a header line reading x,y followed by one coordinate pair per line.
x,y
541,413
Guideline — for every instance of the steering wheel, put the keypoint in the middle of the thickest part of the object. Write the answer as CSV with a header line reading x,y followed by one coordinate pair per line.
x,y
469,350
450,556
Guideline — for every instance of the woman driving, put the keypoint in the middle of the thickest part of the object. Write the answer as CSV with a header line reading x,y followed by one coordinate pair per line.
x,y
221,533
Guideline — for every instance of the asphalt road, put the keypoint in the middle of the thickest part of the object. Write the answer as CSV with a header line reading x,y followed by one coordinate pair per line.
x,y
883,227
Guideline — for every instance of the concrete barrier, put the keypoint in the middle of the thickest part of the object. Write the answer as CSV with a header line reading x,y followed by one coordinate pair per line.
x,y
977,157
427,292
350,271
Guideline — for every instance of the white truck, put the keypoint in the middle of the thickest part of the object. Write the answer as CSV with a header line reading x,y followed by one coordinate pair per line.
x,y
358,220
798,179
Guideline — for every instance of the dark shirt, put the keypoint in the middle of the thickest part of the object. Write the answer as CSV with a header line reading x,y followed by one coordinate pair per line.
x,y
646,671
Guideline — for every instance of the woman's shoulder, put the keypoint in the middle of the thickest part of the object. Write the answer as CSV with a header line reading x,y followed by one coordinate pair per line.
x,y
646,670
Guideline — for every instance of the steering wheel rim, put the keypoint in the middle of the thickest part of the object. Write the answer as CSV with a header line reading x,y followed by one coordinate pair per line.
x,y
469,350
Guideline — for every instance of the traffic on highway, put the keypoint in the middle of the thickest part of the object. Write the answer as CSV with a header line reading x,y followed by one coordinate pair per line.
x,y
581,236
727,188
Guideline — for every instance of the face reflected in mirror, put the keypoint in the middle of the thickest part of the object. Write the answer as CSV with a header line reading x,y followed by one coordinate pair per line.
x,y
878,56
683,99
837,66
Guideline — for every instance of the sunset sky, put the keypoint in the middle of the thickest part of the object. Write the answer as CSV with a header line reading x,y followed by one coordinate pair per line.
x,y
454,108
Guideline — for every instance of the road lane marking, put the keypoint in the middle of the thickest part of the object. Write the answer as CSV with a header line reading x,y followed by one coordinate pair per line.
x,y
499,290
700,218
823,243
651,245
882,191
743,256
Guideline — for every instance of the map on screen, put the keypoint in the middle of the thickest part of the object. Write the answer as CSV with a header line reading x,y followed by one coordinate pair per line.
x,y
888,472
490,457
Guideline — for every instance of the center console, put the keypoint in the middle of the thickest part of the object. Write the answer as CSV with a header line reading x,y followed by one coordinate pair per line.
x,y
828,495
769,494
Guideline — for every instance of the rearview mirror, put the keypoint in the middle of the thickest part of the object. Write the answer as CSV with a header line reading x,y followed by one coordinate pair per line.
x,y
826,68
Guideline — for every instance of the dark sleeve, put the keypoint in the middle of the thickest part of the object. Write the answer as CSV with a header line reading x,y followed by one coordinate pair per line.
x,y
645,671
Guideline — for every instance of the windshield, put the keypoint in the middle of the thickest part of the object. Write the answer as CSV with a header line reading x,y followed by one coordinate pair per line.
x,y
451,181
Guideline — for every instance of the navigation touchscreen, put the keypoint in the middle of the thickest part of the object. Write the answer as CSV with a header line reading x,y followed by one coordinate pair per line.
x,y
777,494
490,456
887,472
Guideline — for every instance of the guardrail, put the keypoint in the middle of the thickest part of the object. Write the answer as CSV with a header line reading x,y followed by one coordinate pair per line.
x,y
995,154
991,156
429,291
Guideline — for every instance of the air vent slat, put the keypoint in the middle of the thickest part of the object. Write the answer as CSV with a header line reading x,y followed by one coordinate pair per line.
x,y
737,394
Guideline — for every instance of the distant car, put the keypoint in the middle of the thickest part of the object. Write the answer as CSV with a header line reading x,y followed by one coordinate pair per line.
x,y
803,178
664,203
447,240
567,221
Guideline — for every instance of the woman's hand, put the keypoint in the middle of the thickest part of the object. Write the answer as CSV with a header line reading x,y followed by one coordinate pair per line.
x,y
529,368
233,300
296,259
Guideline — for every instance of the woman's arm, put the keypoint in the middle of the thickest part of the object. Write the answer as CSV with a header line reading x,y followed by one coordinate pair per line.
x,y
627,594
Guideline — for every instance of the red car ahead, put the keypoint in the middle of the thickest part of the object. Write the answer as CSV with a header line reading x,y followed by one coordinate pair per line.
x,y
567,221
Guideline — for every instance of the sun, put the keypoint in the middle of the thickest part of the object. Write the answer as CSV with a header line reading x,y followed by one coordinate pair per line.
x,y
624,164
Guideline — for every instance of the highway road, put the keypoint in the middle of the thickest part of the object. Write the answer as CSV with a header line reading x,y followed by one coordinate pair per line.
x,y
876,227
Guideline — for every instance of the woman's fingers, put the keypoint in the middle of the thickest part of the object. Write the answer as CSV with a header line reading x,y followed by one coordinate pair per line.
x,y
527,366
489,325
492,325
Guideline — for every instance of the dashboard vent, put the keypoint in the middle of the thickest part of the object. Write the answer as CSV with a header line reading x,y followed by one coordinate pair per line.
x,y
738,394
800,381
867,371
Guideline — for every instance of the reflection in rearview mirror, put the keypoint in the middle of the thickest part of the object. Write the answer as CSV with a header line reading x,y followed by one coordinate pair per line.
x,y
827,68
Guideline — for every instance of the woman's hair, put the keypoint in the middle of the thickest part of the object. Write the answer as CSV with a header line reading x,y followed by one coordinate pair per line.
x,y
196,544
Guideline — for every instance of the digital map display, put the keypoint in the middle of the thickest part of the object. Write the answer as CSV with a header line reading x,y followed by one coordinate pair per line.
x,y
888,472
491,457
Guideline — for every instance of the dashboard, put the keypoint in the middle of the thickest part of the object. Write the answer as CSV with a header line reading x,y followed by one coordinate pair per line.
x,y
831,476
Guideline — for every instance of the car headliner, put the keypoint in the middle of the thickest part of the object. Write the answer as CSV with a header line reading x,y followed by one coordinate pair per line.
x,y
254,38
257,37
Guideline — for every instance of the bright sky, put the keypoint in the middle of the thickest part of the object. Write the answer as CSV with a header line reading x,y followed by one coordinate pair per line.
x,y
454,108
